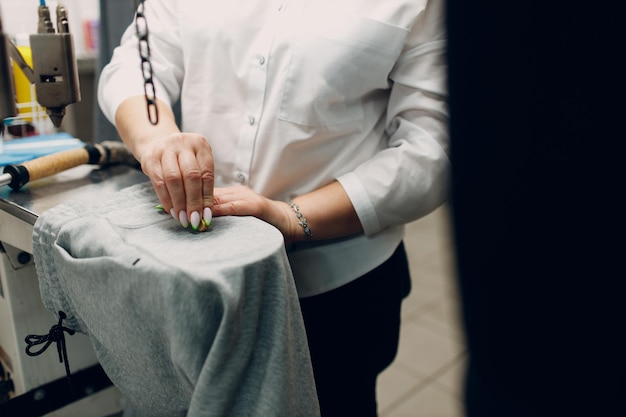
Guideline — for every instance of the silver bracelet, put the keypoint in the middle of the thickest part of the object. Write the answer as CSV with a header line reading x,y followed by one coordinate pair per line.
x,y
301,221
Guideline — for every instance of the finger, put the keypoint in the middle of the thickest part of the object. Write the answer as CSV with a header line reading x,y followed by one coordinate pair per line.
x,y
207,176
230,208
207,191
237,201
228,193
220,199
172,177
242,201
192,181
152,168
223,196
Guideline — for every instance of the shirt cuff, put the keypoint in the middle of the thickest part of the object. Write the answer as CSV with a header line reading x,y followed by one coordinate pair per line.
x,y
361,202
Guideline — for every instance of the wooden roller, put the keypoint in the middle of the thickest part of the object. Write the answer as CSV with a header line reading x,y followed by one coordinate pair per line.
x,y
105,153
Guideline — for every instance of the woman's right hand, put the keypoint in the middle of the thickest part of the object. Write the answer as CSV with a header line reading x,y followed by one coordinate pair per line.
x,y
180,167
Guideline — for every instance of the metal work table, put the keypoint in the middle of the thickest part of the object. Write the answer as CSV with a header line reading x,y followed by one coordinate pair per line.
x,y
19,210
21,309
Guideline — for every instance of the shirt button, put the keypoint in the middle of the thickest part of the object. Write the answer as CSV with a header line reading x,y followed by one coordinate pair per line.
x,y
241,178
251,120
261,60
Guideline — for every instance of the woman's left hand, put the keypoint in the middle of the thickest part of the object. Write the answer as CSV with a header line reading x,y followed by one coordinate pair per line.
x,y
243,201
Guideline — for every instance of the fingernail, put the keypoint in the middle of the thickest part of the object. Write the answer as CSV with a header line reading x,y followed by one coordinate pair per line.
x,y
182,217
194,219
173,213
207,216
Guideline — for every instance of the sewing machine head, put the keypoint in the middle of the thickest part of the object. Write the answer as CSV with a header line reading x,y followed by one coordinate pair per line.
x,y
54,72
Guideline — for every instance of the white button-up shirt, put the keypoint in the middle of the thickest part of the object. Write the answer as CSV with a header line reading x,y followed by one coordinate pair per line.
x,y
294,94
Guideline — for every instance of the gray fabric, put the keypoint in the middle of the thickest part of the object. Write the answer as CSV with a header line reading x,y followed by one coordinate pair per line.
x,y
184,323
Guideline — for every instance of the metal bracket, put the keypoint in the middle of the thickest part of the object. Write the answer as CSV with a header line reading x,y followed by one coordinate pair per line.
x,y
17,257
56,394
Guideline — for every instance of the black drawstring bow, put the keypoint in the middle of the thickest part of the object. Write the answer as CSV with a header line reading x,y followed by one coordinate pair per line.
x,y
54,335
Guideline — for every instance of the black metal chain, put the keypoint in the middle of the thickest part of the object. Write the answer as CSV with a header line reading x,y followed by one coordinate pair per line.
x,y
141,27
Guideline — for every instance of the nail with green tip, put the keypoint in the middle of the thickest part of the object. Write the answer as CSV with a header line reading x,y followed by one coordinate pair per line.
x,y
207,216
194,220
206,220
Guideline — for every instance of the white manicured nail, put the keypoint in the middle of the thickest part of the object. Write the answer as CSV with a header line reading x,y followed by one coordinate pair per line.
x,y
194,219
182,217
207,216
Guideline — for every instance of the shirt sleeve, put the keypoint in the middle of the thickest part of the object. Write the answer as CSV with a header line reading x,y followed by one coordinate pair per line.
x,y
123,76
409,178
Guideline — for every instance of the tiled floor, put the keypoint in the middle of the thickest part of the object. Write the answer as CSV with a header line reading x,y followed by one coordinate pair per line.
x,y
425,379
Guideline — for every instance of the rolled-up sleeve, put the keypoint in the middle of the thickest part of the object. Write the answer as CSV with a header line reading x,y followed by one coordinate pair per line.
x,y
409,178
123,76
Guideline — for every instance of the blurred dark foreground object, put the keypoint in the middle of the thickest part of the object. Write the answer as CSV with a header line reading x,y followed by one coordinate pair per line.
x,y
537,128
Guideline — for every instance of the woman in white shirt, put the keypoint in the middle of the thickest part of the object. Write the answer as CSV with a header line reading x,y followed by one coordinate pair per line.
x,y
327,120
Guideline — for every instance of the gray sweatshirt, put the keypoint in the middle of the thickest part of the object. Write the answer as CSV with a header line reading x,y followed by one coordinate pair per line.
x,y
183,323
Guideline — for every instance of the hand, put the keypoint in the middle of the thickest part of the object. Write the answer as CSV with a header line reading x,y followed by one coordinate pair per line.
x,y
180,167
243,201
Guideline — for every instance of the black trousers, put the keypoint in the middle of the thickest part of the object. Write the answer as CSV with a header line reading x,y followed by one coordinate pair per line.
x,y
353,334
